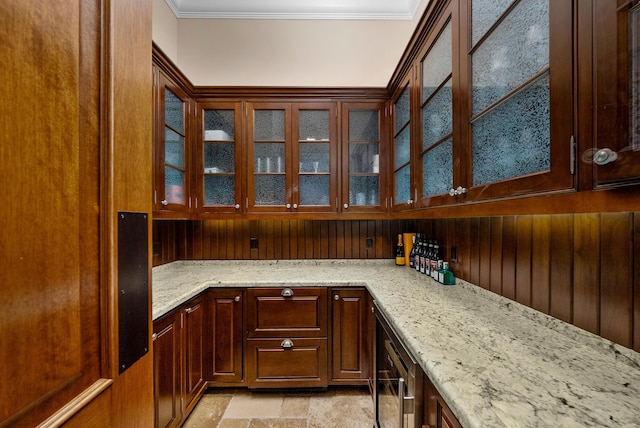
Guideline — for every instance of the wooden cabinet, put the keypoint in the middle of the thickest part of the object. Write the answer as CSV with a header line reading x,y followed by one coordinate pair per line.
x,y
172,143
193,352
364,157
286,337
613,33
167,366
224,355
436,413
178,347
351,345
219,170
475,116
292,157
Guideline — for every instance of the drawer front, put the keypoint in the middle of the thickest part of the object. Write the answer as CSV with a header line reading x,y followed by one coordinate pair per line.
x,y
301,363
287,312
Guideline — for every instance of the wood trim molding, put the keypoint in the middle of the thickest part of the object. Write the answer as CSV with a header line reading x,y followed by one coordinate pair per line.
x,y
77,404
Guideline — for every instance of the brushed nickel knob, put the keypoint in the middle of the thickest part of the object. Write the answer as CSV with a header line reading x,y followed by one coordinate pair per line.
x,y
237,298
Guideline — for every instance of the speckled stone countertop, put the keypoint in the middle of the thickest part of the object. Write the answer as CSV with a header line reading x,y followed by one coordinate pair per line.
x,y
496,363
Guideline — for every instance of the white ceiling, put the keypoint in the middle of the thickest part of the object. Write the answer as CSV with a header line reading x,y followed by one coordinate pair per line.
x,y
295,9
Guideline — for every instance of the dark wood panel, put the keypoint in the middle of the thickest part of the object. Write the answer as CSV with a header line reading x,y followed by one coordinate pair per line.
x,y
561,267
540,260
509,257
474,250
484,252
496,255
524,227
586,272
616,276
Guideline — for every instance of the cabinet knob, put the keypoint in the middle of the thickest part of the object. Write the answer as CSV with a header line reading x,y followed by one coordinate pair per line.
x,y
237,206
288,206
287,292
345,206
458,191
189,310
295,206
237,298
604,156
164,202
286,344
154,336
410,201
336,297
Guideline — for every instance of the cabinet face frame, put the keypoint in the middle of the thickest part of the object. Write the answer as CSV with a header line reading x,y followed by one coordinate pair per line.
x,y
383,155
239,205
170,210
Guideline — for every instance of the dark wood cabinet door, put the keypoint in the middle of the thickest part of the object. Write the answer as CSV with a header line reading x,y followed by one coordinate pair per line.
x,y
287,312
350,336
172,154
436,413
615,155
364,149
224,360
167,368
193,352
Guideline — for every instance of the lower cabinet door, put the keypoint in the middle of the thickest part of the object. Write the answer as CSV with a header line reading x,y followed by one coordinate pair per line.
x,y
166,361
286,363
193,349
224,357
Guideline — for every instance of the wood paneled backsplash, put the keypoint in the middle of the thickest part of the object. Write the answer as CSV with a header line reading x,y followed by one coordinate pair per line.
x,y
580,268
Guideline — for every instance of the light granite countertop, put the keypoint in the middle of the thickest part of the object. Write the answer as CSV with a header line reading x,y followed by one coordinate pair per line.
x,y
495,362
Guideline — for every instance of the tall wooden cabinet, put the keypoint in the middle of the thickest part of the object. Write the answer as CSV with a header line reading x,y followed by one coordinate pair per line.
x,y
167,347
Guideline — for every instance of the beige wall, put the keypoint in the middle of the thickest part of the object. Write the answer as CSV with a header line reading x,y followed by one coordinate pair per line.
x,y
165,29
310,53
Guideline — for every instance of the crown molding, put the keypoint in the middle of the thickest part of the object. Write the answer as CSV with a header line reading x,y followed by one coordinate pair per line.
x,y
295,9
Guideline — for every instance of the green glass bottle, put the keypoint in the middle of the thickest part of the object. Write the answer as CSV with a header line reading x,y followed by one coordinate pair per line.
x,y
447,275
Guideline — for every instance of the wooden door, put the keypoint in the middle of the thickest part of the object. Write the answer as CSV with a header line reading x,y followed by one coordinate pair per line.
x,y
224,357
350,336
50,250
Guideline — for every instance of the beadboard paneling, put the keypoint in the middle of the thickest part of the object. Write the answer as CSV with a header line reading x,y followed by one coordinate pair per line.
x,y
581,268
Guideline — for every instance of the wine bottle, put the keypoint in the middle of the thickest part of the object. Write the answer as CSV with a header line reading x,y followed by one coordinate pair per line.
x,y
423,256
400,251
427,268
416,260
412,254
435,256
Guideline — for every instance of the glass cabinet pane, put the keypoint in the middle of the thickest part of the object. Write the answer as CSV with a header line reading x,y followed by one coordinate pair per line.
x,y
403,185
402,110
437,64
269,158
437,116
219,190
363,190
173,111
270,190
402,148
173,148
174,185
484,13
314,189
219,125
513,139
437,164
314,157
364,157
313,125
219,158
363,125
516,50
269,125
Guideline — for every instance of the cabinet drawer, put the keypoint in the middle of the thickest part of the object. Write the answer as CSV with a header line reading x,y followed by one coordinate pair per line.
x,y
287,312
272,364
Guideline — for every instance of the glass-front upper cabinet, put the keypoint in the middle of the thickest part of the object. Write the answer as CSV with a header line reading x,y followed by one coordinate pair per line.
x,y
364,157
438,155
516,61
292,157
219,159
403,189
171,188
615,33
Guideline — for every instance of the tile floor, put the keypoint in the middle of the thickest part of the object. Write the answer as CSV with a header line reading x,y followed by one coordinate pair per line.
x,y
337,407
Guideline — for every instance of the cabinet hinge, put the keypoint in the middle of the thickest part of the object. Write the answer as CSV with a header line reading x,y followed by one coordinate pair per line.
x,y
572,155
